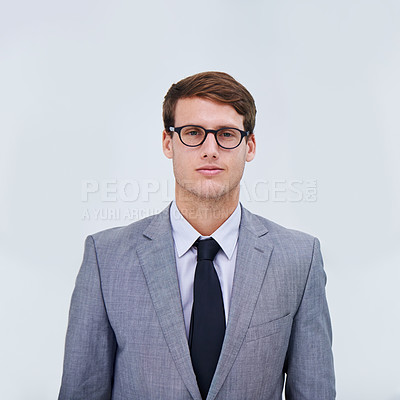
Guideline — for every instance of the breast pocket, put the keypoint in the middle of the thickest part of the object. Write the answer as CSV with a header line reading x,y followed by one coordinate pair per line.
x,y
268,329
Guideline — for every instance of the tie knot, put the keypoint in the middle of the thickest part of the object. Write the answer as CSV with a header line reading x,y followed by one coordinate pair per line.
x,y
207,249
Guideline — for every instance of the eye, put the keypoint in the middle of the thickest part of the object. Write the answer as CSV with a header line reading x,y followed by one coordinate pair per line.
x,y
192,131
228,133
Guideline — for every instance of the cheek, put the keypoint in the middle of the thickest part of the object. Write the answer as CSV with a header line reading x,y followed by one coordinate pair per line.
x,y
182,161
238,161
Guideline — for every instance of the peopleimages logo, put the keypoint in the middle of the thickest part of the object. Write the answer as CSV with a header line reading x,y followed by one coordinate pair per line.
x,y
124,199
129,190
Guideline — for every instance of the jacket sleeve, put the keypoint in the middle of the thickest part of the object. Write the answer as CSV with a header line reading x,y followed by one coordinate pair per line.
x,y
90,342
309,361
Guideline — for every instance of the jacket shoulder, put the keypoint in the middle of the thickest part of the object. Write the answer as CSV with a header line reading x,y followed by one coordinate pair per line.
x,y
279,233
122,235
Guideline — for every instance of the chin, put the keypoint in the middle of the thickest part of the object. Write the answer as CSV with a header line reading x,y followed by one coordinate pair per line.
x,y
214,192
207,190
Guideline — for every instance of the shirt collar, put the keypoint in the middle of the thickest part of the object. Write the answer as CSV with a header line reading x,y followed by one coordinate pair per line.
x,y
185,235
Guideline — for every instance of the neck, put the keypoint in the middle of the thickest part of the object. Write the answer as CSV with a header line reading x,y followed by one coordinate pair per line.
x,y
206,215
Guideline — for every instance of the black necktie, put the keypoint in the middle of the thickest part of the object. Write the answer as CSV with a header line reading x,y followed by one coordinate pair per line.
x,y
207,323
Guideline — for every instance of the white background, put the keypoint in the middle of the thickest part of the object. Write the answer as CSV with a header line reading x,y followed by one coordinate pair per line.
x,y
81,88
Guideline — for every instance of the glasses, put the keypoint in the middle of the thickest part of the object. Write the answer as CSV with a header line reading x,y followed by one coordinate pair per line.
x,y
193,136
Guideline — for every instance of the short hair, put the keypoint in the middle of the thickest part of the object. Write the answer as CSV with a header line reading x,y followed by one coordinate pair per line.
x,y
215,86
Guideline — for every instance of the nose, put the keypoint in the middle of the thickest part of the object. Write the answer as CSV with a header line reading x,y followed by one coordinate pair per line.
x,y
210,147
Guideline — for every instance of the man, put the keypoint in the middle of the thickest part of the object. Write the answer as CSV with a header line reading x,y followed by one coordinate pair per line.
x,y
205,299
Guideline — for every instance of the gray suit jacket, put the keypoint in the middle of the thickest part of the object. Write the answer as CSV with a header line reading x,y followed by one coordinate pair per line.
x,y
126,335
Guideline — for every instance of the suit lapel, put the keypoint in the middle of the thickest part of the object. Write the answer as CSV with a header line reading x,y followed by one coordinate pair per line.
x,y
157,258
253,254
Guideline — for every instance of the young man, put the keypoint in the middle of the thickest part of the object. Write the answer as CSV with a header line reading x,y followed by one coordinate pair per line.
x,y
205,299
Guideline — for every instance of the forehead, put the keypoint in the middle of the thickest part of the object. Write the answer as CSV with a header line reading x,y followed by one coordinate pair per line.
x,y
207,113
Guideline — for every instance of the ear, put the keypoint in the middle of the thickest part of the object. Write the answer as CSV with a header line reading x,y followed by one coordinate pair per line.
x,y
251,147
167,144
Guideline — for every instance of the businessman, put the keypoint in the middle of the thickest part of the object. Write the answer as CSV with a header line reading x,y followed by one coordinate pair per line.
x,y
204,300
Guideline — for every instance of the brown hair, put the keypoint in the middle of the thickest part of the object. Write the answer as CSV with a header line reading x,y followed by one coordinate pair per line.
x,y
212,85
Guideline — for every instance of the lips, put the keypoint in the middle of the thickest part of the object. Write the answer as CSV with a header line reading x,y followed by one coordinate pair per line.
x,y
209,170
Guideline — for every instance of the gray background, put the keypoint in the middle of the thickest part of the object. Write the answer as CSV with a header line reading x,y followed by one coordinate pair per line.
x,y
81,87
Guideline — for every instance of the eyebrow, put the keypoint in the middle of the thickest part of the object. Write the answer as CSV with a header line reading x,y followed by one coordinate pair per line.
x,y
218,126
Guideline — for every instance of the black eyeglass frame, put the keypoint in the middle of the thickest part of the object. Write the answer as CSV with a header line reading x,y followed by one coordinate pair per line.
x,y
207,131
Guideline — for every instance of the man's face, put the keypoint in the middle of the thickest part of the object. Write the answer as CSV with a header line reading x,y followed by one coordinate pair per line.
x,y
207,172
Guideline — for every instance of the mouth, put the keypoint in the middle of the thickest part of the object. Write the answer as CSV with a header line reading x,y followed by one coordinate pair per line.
x,y
209,170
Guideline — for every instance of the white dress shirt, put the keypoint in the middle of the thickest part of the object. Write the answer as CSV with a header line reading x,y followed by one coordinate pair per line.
x,y
184,236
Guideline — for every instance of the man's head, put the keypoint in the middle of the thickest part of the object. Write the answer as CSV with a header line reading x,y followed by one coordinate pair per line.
x,y
216,86
197,111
